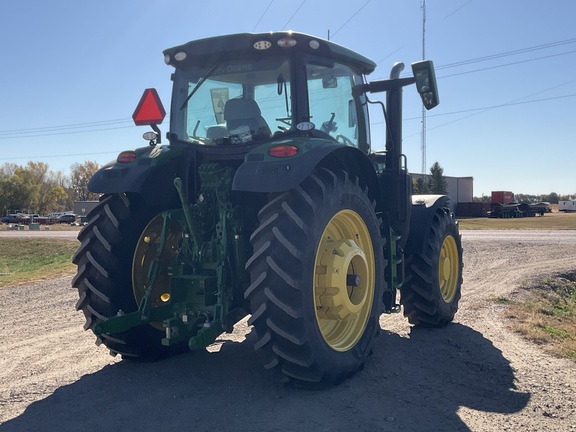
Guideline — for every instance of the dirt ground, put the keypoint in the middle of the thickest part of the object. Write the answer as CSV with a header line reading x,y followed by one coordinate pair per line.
x,y
474,375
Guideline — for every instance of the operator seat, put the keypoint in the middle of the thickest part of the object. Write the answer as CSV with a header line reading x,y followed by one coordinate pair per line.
x,y
244,121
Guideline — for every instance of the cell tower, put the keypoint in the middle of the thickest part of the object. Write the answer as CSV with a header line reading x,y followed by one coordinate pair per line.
x,y
423,138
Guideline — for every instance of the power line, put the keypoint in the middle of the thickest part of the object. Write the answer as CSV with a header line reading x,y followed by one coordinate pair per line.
x,y
504,105
66,126
28,135
507,53
456,10
504,54
262,16
486,109
350,19
293,15
508,64
61,155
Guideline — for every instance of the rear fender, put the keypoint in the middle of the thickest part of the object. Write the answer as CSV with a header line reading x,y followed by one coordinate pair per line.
x,y
151,176
263,173
423,209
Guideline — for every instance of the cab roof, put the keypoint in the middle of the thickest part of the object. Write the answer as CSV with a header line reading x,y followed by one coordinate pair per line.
x,y
241,45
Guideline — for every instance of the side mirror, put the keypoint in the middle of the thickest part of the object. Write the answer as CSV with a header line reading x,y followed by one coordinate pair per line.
x,y
426,83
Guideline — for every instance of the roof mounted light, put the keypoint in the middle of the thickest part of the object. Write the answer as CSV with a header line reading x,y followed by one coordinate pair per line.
x,y
262,45
314,44
167,59
179,56
287,42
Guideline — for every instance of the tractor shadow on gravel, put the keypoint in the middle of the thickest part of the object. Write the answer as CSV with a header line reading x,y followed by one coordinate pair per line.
x,y
410,383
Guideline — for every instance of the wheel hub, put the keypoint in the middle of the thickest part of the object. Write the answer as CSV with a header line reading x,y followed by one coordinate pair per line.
x,y
341,293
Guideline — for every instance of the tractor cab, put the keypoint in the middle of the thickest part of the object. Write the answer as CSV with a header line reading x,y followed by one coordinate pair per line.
x,y
246,89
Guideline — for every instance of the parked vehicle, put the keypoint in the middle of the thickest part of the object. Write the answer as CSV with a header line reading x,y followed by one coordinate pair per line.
x,y
567,206
10,218
66,218
503,205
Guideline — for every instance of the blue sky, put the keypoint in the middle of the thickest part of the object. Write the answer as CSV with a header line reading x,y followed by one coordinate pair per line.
x,y
73,72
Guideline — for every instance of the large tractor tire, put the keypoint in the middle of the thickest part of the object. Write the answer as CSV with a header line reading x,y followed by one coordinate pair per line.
x,y
317,280
104,278
432,289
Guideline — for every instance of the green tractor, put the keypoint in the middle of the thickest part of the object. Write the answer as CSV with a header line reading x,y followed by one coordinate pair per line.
x,y
269,202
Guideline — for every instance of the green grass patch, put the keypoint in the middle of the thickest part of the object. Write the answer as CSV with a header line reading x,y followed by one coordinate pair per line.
x,y
25,260
504,300
554,331
548,316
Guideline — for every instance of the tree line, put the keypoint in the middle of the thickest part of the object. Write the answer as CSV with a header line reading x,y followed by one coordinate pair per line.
x,y
34,188
552,198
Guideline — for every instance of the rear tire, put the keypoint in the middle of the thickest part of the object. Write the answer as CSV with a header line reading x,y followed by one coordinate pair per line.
x,y
104,276
433,285
313,322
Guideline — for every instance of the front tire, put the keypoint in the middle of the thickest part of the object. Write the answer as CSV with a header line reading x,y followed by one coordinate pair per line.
x,y
317,280
433,285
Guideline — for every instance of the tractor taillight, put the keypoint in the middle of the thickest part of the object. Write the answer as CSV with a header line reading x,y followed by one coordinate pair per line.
x,y
283,151
126,157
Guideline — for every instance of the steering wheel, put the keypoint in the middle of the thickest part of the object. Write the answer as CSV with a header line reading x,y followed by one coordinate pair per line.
x,y
330,125
345,140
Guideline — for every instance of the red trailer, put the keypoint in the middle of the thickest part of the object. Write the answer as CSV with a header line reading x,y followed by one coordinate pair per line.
x,y
502,197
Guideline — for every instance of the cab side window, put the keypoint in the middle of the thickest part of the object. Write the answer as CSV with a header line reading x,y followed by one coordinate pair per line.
x,y
331,104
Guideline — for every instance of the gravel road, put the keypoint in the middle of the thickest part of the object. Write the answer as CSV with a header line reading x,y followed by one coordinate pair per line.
x,y
474,375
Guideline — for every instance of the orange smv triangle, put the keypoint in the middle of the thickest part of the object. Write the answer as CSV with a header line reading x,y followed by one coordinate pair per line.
x,y
149,110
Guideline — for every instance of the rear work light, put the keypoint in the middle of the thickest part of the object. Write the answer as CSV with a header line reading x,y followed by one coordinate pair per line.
x,y
287,42
126,157
283,151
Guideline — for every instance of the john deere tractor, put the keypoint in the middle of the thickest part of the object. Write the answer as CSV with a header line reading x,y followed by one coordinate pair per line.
x,y
268,201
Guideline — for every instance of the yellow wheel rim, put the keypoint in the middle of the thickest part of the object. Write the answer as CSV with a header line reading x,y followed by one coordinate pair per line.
x,y
448,269
344,280
145,254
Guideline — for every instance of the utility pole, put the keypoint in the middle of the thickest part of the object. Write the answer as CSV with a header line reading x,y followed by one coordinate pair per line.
x,y
423,138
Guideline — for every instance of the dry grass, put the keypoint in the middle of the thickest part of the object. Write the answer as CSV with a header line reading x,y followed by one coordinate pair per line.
x,y
548,316
550,221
